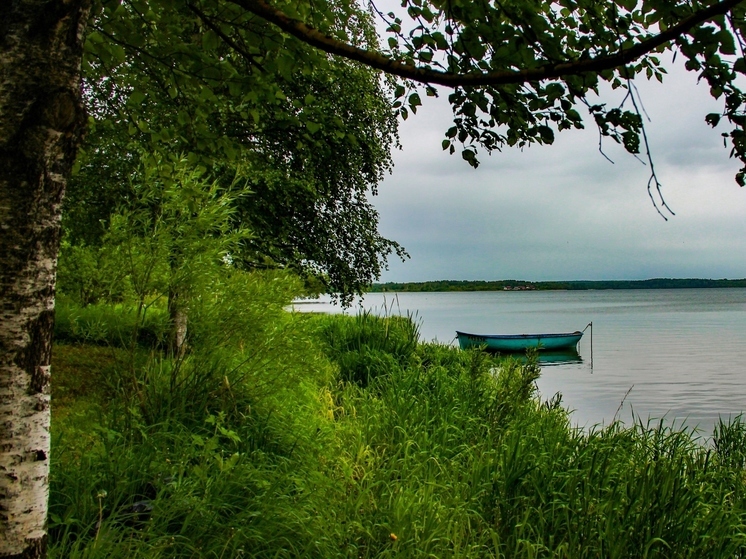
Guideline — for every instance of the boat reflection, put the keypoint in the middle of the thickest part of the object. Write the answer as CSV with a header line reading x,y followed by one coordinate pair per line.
x,y
548,358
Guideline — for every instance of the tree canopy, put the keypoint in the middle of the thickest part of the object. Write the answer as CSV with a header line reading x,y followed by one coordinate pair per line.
x,y
310,136
249,84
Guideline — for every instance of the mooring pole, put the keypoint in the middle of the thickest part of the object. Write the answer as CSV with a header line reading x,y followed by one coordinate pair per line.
x,y
590,325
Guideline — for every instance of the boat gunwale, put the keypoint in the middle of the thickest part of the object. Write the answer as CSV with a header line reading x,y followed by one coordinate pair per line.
x,y
519,336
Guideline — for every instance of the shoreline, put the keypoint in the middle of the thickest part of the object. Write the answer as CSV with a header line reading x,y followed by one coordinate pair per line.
x,y
572,285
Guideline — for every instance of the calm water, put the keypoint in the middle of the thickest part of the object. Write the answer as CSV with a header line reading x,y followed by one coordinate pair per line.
x,y
674,354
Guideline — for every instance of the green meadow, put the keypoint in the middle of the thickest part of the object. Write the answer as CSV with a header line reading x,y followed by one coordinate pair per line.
x,y
280,434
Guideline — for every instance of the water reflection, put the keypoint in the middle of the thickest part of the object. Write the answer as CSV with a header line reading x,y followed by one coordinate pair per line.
x,y
549,358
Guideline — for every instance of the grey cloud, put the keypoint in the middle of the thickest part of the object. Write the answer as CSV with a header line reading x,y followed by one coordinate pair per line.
x,y
563,211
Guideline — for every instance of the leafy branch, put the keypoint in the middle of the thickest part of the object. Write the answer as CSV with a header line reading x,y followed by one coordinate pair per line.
x,y
428,75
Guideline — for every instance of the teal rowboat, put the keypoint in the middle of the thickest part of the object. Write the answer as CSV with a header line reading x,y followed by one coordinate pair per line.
x,y
514,343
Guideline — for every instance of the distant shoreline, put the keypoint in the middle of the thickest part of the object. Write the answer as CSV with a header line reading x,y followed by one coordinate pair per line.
x,y
575,285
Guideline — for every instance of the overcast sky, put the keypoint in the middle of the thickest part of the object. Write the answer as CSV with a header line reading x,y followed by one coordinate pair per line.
x,y
563,211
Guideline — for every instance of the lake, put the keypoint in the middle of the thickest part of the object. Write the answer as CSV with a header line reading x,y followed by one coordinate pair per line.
x,y
675,354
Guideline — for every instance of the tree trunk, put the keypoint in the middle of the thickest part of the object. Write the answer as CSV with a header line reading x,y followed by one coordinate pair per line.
x,y
41,123
179,320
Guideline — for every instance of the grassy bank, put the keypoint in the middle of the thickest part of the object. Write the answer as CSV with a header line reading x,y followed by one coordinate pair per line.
x,y
285,435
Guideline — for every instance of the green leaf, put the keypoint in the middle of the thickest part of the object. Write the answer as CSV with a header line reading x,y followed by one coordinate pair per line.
x,y
425,55
546,134
135,98
727,44
117,53
210,40
470,157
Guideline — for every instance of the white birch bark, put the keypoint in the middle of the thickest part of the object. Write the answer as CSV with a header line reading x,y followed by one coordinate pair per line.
x,y
41,122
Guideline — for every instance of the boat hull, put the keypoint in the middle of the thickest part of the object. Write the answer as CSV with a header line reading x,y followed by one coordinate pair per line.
x,y
516,343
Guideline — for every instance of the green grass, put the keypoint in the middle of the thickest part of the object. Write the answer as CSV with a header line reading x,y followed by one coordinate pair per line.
x,y
110,325
285,435
366,346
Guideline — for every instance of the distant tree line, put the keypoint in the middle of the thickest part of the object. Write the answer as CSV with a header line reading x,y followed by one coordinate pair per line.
x,y
519,285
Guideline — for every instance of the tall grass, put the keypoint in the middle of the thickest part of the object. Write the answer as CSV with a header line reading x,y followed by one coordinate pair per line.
x,y
110,325
367,346
285,435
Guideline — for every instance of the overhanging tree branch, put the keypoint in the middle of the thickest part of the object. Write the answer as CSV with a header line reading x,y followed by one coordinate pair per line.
x,y
376,60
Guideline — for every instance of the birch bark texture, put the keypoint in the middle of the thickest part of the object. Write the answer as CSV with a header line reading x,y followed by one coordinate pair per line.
x,y
41,125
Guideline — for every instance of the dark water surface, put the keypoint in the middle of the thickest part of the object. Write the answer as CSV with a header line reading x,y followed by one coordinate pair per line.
x,y
676,354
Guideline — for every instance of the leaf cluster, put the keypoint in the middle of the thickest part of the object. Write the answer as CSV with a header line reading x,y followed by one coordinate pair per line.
x,y
496,38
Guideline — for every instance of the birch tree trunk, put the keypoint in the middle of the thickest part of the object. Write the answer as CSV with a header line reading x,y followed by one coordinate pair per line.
x,y
41,123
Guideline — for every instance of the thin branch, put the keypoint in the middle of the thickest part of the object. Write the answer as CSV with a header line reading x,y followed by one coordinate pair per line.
x,y
601,147
600,133
226,39
653,180
376,60
637,92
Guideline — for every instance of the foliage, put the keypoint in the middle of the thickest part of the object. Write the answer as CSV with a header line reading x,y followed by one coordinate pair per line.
x,y
249,444
89,273
447,454
310,136
245,353
160,440
540,60
521,70
486,40
171,242
176,232
313,134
